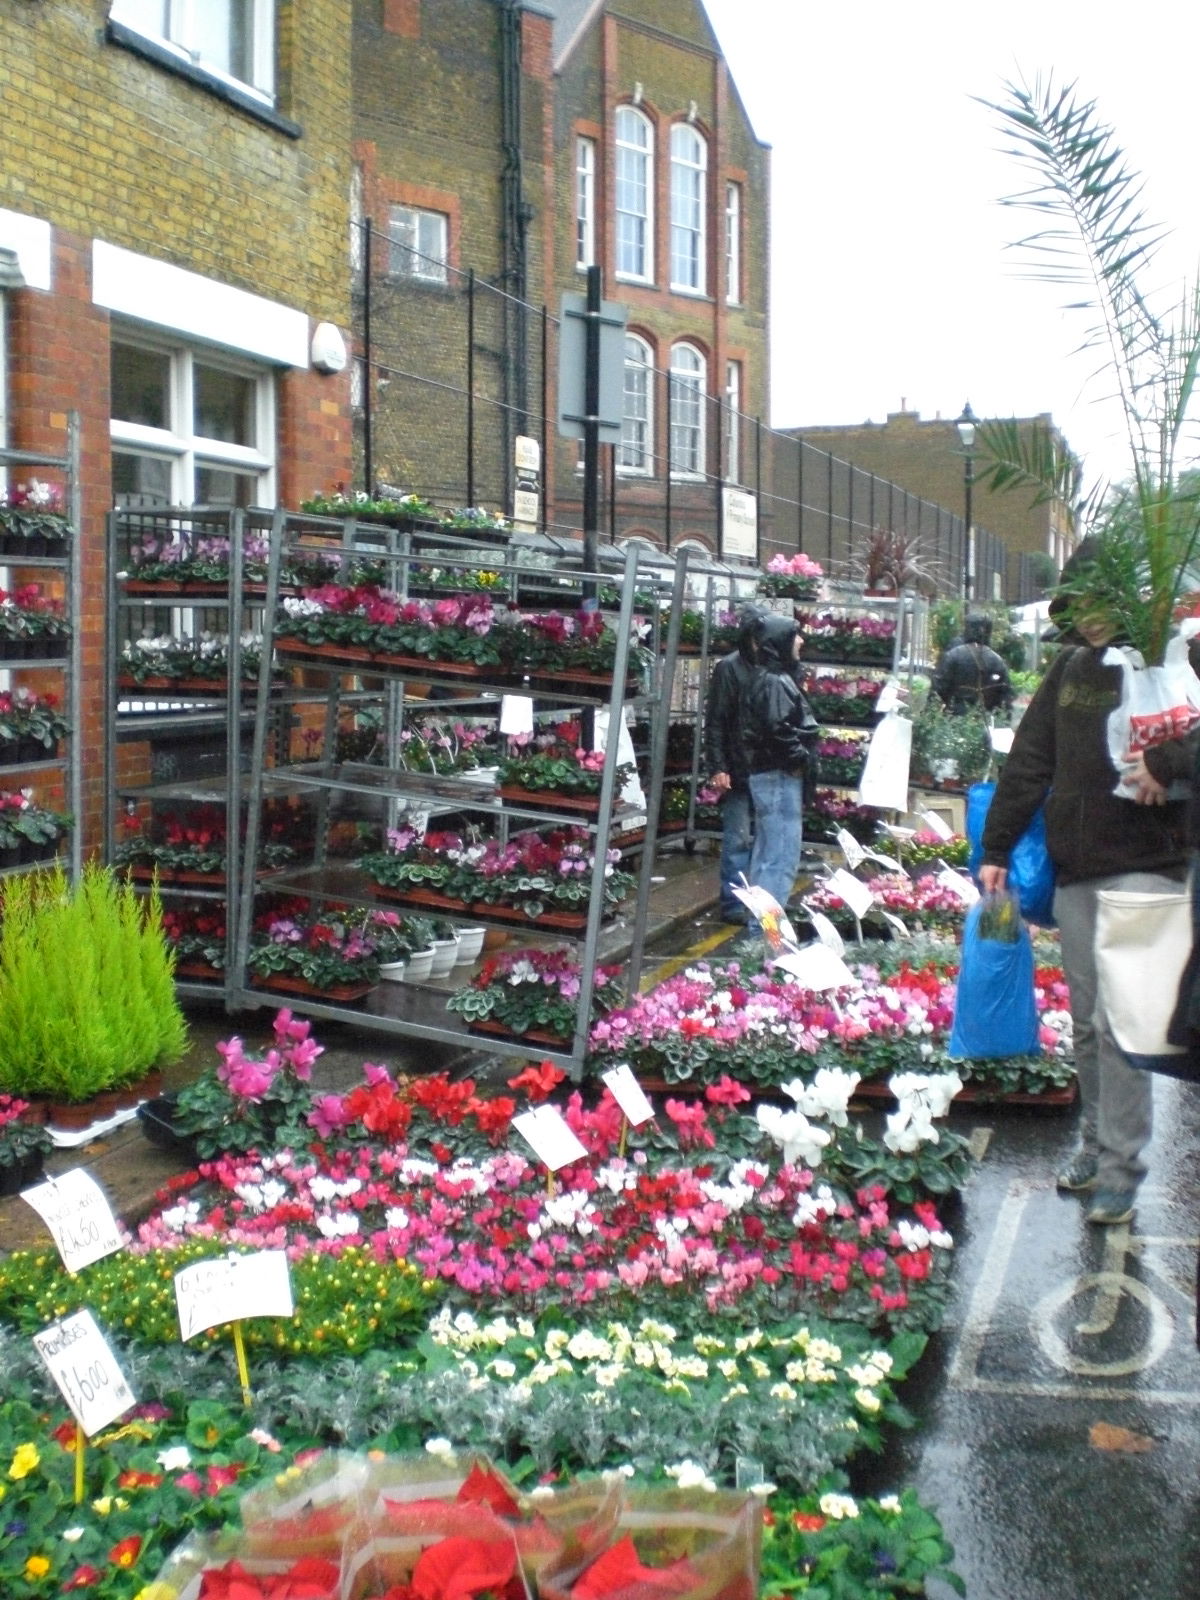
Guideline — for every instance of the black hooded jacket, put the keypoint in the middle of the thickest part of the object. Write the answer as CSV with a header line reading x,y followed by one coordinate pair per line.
x,y
725,706
780,726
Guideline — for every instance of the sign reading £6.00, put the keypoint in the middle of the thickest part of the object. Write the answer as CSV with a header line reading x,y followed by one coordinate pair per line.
x,y
79,1360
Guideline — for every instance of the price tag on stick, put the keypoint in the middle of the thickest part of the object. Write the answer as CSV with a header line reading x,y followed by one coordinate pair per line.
x,y
77,1213
230,1288
628,1094
548,1136
79,1360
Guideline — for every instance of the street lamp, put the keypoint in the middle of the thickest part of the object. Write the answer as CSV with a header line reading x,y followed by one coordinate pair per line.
x,y
966,433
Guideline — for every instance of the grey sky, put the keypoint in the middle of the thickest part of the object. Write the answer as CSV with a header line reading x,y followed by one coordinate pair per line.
x,y
890,276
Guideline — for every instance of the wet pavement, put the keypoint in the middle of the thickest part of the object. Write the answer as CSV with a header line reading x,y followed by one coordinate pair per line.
x,y
1057,1413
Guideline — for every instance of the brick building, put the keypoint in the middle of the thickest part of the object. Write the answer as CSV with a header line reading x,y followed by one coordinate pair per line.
x,y
503,146
925,457
173,204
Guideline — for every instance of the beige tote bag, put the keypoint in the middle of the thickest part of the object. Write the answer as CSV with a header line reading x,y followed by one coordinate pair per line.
x,y
1142,942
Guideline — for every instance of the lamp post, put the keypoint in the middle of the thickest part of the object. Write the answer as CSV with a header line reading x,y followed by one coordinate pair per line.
x,y
966,434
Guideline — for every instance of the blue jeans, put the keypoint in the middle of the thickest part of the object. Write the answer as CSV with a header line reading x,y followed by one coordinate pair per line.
x,y
778,832
737,829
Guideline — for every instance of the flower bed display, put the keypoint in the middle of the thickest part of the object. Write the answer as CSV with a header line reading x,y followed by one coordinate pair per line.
x,y
830,811
544,877
795,577
185,665
32,625
924,903
841,758
31,726
188,850
329,955
33,521
533,994
843,698
28,832
200,562
711,1021
553,771
197,934
832,636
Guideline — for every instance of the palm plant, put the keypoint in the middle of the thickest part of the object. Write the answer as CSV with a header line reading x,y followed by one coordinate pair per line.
x,y
1095,241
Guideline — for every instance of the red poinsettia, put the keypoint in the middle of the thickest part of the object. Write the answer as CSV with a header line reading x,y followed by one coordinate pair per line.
x,y
311,1578
459,1569
484,1488
620,1568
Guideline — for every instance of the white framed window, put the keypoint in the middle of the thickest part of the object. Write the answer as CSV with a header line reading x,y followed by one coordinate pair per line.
x,y
733,422
733,243
420,244
189,426
635,453
635,195
232,39
689,183
687,386
585,201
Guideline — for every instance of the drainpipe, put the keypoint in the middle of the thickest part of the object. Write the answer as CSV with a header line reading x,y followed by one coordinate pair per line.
x,y
515,217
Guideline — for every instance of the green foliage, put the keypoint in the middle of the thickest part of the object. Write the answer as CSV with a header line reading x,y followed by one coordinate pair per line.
x,y
939,737
1094,240
830,1546
345,1304
87,1000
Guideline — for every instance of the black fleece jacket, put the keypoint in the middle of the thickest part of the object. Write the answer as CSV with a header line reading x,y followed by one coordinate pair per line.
x,y
725,717
1060,756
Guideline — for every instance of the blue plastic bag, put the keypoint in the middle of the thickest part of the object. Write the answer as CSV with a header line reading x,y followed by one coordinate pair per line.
x,y
995,1013
1030,869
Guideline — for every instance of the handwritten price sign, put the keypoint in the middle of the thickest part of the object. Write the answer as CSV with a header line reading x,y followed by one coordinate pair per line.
x,y
77,1213
229,1288
79,1360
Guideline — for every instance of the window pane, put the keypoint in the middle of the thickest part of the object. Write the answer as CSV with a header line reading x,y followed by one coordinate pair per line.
x,y
140,480
634,450
141,386
687,411
733,243
633,177
221,487
223,406
420,244
147,16
733,421
222,35
585,192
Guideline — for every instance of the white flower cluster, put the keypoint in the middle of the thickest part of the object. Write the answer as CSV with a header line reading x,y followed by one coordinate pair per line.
x,y
921,1098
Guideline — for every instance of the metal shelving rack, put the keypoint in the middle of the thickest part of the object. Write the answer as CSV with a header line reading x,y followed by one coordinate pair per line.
x,y
225,710
70,566
409,1010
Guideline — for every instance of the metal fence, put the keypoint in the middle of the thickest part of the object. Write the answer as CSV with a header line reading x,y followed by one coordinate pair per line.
x,y
452,368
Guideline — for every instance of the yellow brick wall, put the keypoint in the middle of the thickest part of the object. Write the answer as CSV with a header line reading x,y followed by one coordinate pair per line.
x,y
98,141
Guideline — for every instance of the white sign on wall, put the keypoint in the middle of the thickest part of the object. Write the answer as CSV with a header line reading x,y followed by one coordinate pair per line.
x,y
739,523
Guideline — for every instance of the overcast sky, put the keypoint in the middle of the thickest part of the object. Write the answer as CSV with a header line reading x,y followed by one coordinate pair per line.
x,y
890,275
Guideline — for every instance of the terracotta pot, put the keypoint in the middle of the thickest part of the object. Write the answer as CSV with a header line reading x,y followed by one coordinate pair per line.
x,y
199,970
75,1114
415,896
495,939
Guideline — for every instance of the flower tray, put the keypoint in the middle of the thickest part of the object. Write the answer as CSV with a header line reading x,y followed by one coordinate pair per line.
x,y
577,677
33,544
411,896
199,971
582,805
157,1118
430,899
26,752
979,1094
18,1175
426,667
217,686
33,649
844,654
497,1030
340,993
177,586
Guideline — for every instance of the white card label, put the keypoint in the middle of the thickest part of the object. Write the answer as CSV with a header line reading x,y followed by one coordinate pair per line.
x,y
850,847
516,714
549,1137
889,697
895,924
856,895
79,1360
629,1095
817,968
957,884
76,1210
1002,740
935,824
826,932
230,1288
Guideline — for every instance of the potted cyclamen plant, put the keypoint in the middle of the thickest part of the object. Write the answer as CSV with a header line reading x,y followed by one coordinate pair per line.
x,y
330,957
32,520
23,1145
554,773
795,577
32,625
31,726
534,995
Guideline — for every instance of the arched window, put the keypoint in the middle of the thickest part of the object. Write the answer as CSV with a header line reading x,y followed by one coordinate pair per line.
x,y
689,185
688,384
635,453
635,195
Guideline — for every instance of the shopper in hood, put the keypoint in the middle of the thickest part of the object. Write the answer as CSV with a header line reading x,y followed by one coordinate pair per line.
x,y
780,733
1097,840
725,757
971,676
